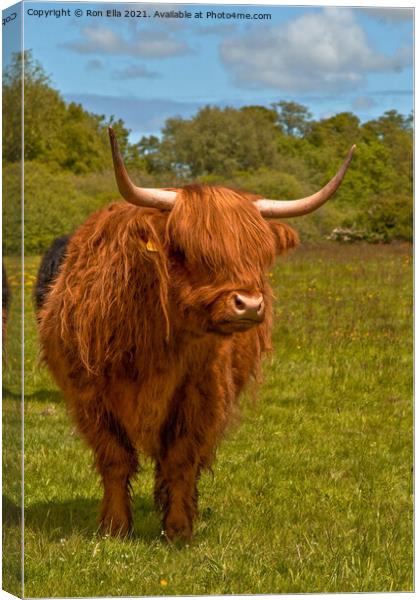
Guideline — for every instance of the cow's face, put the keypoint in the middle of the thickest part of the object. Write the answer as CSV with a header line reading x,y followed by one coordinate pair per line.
x,y
220,249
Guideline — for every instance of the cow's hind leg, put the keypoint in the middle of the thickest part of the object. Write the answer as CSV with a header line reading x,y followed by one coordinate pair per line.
x,y
116,461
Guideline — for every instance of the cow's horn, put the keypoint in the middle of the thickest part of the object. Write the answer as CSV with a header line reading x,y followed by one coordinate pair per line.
x,y
303,206
150,197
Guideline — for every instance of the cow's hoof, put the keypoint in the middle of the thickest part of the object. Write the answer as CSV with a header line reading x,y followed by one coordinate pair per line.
x,y
177,531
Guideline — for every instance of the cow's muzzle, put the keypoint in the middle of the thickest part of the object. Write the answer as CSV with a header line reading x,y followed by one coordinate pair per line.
x,y
247,309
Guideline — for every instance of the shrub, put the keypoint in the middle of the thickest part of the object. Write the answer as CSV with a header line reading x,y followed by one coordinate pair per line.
x,y
55,204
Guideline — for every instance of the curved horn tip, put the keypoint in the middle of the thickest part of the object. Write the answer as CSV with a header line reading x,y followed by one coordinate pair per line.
x,y
115,149
302,206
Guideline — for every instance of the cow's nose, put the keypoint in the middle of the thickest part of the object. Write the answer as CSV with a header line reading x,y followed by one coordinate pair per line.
x,y
248,307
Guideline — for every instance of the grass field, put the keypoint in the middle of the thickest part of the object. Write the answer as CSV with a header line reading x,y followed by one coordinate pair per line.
x,y
311,493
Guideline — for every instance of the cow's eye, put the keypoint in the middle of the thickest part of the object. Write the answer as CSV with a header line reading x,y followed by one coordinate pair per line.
x,y
177,256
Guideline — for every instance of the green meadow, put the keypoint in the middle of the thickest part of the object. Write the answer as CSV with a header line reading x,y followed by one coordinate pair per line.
x,y
310,492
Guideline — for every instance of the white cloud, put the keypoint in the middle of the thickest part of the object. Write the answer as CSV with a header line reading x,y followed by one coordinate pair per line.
x,y
147,44
391,15
364,103
134,72
94,64
325,50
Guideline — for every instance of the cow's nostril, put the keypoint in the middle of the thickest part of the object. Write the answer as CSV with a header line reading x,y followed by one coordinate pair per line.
x,y
239,303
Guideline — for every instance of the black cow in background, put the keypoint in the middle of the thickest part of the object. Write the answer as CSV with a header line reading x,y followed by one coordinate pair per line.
x,y
50,264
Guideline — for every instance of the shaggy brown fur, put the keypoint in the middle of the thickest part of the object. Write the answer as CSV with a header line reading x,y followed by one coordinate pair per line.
x,y
137,332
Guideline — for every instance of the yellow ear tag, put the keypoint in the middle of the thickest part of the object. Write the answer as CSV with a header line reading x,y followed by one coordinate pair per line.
x,y
151,247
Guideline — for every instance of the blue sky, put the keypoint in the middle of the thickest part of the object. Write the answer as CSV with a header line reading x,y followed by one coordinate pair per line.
x,y
147,69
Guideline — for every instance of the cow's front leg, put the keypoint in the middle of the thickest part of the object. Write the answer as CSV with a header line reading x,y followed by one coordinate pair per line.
x,y
116,462
176,489
188,441
116,516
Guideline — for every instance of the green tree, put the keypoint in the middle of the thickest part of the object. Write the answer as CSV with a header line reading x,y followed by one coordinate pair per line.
x,y
390,122
394,131
292,117
148,149
44,109
336,133
219,141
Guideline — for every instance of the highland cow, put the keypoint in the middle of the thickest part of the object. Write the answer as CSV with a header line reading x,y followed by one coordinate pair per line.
x,y
153,324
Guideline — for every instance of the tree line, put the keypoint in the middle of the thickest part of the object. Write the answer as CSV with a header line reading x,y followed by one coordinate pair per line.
x,y
279,151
